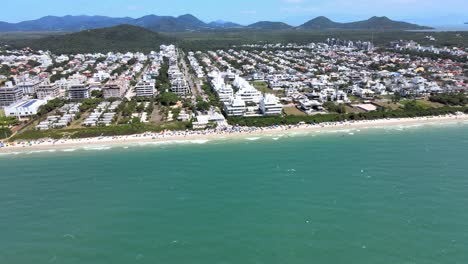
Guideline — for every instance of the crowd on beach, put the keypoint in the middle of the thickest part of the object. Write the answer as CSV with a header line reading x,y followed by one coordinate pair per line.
x,y
227,132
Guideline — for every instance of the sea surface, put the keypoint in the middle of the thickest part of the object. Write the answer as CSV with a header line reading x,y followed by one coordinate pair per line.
x,y
397,195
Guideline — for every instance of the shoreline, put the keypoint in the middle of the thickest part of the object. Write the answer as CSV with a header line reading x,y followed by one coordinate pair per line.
x,y
232,133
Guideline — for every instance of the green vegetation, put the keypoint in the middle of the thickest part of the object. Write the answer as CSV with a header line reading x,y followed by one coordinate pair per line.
x,y
90,103
118,38
292,110
292,120
8,121
97,94
450,99
5,132
130,38
162,81
212,97
33,63
203,106
59,76
168,98
119,70
117,130
51,105
335,108
5,70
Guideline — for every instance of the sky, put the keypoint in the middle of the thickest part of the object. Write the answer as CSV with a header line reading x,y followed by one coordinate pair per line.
x,y
295,12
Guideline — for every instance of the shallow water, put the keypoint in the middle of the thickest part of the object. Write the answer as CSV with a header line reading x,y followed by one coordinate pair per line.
x,y
396,195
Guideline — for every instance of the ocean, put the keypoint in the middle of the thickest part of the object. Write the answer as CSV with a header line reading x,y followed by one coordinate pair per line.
x,y
396,195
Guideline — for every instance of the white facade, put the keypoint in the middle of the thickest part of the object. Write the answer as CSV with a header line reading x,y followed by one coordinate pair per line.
x,y
270,105
24,108
10,94
145,88
28,87
235,107
47,91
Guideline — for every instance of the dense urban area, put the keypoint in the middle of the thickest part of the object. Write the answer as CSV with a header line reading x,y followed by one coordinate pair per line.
x,y
46,95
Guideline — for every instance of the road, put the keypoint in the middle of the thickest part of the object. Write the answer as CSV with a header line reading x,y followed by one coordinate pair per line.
x,y
131,91
194,85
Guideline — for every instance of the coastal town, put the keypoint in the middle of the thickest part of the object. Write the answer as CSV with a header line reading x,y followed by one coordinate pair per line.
x,y
45,95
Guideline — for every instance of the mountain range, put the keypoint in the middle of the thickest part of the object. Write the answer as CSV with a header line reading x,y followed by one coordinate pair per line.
x,y
191,23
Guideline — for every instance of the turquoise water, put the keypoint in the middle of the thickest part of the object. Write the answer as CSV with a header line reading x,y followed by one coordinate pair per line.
x,y
379,196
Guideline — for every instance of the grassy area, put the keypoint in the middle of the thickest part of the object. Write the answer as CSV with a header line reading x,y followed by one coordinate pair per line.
x,y
423,104
264,89
350,109
389,105
354,98
77,123
293,111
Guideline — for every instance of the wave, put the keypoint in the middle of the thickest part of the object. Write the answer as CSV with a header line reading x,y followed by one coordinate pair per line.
x,y
41,151
253,138
69,150
97,148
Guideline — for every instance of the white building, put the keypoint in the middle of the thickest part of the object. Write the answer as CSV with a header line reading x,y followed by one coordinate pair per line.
x,y
28,86
179,86
10,94
249,94
115,89
145,88
46,90
78,92
24,108
246,91
270,105
235,107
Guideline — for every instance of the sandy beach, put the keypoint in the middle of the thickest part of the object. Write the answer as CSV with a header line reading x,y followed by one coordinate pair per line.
x,y
228,133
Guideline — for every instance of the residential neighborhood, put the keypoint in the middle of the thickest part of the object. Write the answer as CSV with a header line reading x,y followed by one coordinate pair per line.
x,y
205,88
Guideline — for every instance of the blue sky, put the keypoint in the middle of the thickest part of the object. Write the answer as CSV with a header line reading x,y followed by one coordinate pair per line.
x,y
431,12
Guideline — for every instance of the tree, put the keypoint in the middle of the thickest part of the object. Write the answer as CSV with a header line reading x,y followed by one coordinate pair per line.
x,y
168,98
97,94
396,97
203,106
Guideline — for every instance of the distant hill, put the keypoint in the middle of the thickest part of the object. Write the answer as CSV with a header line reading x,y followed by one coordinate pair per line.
x,y
170,24
66,23
77,23
320,23
221,24
189,22
373,23
267,25
119,38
